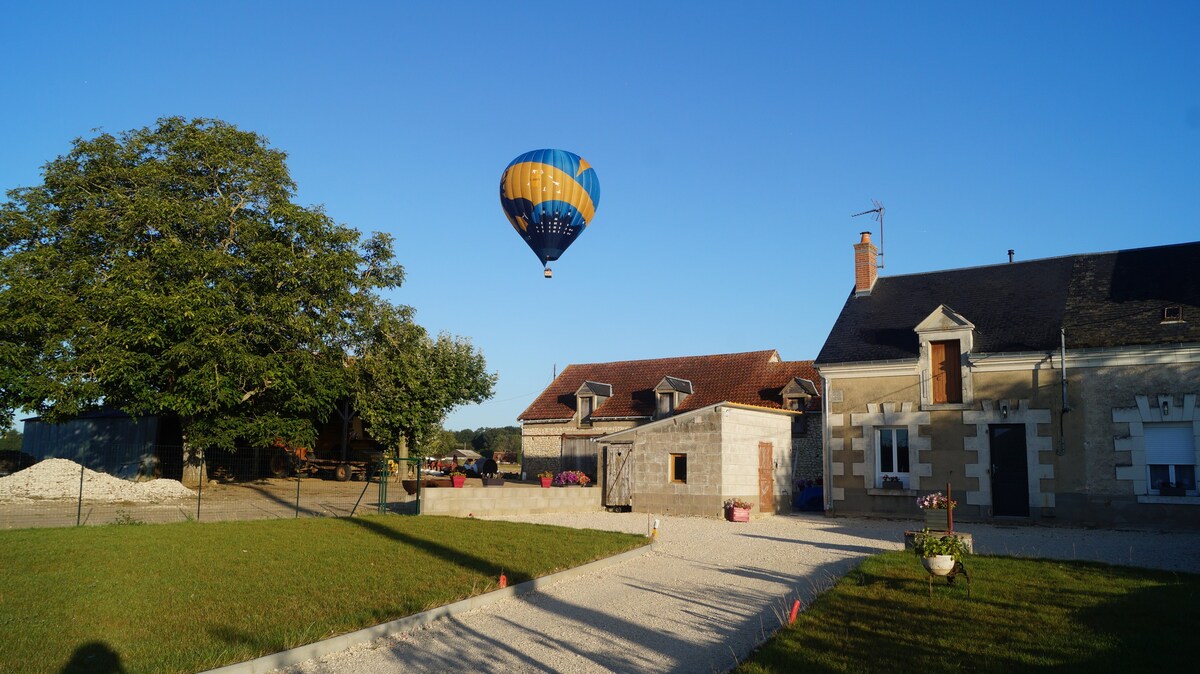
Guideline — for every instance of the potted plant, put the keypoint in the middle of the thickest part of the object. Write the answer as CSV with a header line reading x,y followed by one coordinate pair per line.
x,y
737,510
572,478
939,553
1171,489
458,478
935,507
892,482
546,477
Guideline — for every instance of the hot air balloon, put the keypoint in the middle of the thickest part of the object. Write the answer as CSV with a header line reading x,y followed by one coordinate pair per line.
x,y
549,197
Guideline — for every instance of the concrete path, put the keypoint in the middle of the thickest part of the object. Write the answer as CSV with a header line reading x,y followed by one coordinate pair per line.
x,y
709,592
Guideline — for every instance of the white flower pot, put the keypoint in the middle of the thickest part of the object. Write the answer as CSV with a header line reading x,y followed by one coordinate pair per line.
x,y
939,565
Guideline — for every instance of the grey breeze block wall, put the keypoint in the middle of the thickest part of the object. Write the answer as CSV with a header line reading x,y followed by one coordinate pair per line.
x,y
512,500
722,462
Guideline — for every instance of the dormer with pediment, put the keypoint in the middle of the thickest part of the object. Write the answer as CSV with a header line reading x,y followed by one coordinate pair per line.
x,y
668,395
946,340
588,397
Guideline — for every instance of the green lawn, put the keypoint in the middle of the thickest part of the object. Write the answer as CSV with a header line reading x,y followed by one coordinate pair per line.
x,y
190,596
1022,615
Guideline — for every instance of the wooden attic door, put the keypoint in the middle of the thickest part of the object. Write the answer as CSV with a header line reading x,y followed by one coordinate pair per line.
x,y
766,477
947,372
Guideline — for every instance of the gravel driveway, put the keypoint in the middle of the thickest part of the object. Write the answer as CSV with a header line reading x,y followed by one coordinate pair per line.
x,y
708,593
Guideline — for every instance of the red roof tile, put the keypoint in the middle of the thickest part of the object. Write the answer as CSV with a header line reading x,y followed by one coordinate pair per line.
x,y
752,378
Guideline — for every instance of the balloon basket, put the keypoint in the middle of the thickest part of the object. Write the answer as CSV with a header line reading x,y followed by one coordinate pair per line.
x,y
548,273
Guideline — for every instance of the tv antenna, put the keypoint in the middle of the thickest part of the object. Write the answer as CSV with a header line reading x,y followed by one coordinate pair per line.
x,y
878,211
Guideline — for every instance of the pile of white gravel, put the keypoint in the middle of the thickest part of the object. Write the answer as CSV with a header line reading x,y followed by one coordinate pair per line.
x,y
59,479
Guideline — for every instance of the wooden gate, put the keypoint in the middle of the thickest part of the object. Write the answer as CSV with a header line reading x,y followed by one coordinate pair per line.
x,y
618,475
766,477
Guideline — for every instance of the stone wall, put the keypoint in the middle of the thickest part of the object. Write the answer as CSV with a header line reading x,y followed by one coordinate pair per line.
x,y
1083,465
541,443
806,450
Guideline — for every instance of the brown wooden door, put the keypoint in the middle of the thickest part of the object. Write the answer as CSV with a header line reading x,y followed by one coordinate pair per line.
x,y
766,477
947,372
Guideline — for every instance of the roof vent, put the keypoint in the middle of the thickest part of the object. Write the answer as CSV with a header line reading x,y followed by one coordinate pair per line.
x,y
1172,314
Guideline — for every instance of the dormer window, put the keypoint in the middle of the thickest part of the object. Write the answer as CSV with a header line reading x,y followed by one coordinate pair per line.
x,y
946,339
796,394
945,371
588,397
666,404
669,393
587,404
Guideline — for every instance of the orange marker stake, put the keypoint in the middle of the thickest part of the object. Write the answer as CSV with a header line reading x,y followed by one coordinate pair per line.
x,y
503,580
795,610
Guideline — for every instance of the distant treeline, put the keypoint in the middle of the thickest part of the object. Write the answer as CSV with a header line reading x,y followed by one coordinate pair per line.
x,y
486,441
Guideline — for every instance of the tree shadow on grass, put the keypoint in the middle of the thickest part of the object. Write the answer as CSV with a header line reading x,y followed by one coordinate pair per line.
x,y
94,657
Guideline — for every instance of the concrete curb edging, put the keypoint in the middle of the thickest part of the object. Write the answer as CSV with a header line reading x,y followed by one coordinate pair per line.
x,y
318,649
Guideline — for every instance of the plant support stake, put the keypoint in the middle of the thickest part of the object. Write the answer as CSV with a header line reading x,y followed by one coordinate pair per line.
x,y
79,503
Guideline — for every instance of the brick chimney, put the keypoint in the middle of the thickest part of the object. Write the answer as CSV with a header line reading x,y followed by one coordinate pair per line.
x,y
865,270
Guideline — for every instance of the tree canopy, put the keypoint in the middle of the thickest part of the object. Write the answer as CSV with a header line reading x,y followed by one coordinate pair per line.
x,y
393,373
167,270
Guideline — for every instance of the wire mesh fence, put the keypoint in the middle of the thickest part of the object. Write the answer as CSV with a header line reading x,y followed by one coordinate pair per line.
x,y
135,483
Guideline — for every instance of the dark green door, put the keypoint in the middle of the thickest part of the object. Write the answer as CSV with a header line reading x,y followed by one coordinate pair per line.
x,y
1010,470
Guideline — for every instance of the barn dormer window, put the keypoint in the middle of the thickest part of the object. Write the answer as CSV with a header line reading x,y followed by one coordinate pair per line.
x,y
668,395
796,394
588,398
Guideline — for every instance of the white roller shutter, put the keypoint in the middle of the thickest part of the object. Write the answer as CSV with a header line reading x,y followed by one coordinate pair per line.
x,y
1171,444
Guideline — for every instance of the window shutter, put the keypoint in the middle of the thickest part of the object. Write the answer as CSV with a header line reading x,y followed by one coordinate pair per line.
x,y
1170,444
946,370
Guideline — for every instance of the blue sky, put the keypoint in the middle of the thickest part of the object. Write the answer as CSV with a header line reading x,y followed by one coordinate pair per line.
x,y
732,143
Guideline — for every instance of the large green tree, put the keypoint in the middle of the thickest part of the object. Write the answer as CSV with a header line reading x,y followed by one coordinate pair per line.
x,y
167,270
394,370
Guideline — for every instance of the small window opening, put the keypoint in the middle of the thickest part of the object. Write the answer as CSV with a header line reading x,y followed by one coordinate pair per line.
x,y
1173,314
679,468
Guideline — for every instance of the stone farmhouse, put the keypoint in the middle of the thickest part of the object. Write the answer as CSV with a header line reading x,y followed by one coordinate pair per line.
x,y
680,435
1056,389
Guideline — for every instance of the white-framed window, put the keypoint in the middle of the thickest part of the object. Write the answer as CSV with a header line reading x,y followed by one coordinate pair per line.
x,y
1171,458
891,455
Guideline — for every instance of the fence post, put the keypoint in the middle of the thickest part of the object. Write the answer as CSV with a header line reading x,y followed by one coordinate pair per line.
x,y
297,467
383,480
200,485
79,502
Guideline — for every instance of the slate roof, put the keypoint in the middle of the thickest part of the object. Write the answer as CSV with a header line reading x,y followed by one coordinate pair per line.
x,y
1102,299
751,378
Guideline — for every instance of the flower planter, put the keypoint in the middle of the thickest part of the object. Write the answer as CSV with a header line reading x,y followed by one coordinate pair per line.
x,y
939,565
546,482
737,514
1164,490
935,518
458,480
492,481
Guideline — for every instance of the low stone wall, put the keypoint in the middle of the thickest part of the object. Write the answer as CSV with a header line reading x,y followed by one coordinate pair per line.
x,y
511,499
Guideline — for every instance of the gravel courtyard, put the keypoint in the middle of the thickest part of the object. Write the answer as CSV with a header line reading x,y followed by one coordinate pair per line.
x,y
704,597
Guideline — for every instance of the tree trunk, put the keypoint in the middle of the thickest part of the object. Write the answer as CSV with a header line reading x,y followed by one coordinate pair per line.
x,y
195,471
